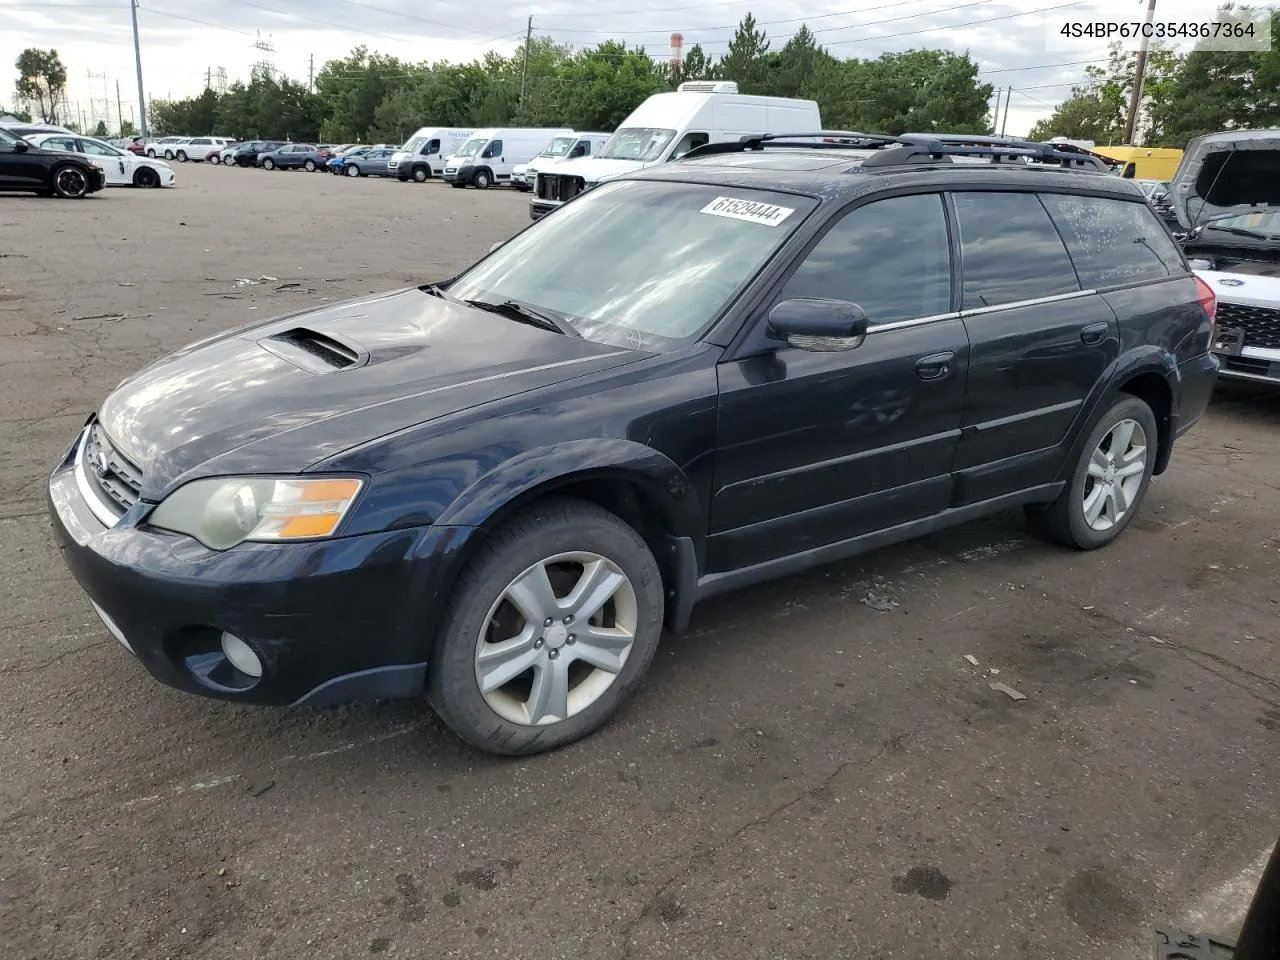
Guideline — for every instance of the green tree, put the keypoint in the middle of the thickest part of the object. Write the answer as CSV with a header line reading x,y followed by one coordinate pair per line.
x,y
604,84
799,67
694,66
42,82
352,89
100,130
127,129
747,61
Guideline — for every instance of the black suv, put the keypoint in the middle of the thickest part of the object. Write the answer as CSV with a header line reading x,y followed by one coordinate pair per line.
x,y
497,490
55,173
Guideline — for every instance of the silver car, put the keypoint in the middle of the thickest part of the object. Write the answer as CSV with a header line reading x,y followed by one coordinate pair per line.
x,y
372,164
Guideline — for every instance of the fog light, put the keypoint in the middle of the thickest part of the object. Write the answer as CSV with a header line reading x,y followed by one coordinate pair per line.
x,y
241,655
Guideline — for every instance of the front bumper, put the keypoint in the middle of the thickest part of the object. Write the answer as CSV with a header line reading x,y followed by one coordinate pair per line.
x,y
539,208
458,174
1247,364
97,181
331,621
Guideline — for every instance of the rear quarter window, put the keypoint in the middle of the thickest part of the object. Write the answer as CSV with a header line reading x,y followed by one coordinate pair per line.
x,y
1113,241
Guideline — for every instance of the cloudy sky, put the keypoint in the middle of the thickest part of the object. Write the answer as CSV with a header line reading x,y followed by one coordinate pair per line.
x,y
182,39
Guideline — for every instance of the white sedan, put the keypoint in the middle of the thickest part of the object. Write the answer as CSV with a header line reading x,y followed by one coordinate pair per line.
x,y
123,169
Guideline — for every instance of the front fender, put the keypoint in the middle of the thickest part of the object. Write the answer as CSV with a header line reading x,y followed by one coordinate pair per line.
x,y
543,469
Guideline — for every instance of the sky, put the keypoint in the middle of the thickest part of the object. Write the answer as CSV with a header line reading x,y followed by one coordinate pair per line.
x,y
186,41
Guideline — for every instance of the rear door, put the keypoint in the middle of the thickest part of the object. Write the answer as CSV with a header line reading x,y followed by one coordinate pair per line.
x,y
817,447
1039,343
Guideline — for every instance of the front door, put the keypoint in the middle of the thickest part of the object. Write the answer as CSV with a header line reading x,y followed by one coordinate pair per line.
x,y
815,448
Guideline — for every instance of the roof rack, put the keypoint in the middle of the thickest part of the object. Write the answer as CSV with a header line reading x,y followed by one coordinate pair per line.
x,y
921,148
915,149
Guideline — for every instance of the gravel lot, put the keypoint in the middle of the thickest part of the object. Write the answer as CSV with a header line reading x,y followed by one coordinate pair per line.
x,y
803,776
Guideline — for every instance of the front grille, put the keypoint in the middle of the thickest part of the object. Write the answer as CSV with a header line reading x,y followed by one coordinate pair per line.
x,y
1261,325
559,187
110,472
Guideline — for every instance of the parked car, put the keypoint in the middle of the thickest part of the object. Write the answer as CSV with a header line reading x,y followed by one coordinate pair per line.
x,y
247,155
137,146
336,160
199,149
424,154
25,130
1224,198
371,164
489,156
121,168
570,147
293,156
164,147
499,488
26,167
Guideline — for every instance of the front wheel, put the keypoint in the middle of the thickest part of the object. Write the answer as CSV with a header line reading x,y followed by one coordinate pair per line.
x,y
421,174
309,166
481,180
182,156
353,170
549,628
146,178
70,182
1110,479
168,154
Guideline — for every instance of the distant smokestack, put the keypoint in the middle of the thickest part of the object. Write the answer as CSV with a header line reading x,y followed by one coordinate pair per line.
x,y
677,49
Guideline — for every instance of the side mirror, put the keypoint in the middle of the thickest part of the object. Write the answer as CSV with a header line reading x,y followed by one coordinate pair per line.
x,y
21,146
818,325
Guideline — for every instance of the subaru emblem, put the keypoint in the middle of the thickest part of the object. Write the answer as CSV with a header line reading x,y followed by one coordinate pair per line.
x,y
101,465
1231,282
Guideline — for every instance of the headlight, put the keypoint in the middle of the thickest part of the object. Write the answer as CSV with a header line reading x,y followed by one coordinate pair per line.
x,y
224,511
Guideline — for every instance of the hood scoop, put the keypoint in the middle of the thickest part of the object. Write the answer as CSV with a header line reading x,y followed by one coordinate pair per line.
x,y
313,351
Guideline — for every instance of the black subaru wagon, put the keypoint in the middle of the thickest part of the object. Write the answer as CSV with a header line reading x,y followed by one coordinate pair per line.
x,y
498,489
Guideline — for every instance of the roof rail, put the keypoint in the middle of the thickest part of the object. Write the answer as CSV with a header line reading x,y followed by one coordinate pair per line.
x,y
822,139
921,148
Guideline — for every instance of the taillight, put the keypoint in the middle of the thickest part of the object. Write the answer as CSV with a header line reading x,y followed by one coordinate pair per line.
x,y
1208,301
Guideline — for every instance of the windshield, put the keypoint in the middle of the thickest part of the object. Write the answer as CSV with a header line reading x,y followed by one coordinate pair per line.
x,y
472,146
558,147
7,137
636,143
642,265
413,145
1267,224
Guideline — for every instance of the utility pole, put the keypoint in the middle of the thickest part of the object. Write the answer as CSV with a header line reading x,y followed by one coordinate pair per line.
x,y
995,117
1135,98
208,78
1007,97
311,73
137,55
119,111
524,74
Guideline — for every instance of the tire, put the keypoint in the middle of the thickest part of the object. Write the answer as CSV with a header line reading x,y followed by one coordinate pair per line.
x,y
309,165
151,154
146,178
421,174
353,170
168,154
478,611
182,156
1066,520
70,182
481,180
268,164
229,161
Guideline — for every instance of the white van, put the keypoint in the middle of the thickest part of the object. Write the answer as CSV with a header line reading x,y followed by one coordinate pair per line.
x,y
490,156
423,154
558,150
666,127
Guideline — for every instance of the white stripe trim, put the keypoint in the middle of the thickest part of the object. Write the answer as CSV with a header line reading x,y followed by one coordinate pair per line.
x,y
91,499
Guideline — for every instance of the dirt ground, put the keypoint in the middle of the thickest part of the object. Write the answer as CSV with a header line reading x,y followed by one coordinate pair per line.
x,y
802,776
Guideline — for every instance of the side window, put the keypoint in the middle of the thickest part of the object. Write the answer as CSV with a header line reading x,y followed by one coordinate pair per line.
x,y
890,257
432,148
62,143
95,149
580,149
688,142
493,150
1009,250
1113,241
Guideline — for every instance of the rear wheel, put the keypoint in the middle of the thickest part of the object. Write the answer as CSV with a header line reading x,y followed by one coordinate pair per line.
x,y
548,630
70,182
1111,478
309,166
146,177
268,164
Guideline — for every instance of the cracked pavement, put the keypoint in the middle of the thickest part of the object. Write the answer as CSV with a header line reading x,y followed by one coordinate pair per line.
x,y
801,776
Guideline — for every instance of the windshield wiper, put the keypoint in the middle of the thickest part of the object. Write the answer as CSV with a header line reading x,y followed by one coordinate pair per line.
x,y
1242,232
435,290
516,310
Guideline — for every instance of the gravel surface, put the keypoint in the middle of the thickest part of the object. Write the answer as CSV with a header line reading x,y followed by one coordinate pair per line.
x,y
812,772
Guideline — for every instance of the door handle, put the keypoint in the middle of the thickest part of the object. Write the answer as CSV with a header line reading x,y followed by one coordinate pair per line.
x,y
935,366
1094,333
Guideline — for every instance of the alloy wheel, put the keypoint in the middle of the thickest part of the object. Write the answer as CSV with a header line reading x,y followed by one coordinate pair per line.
x,y
1115,473
556,638
71,182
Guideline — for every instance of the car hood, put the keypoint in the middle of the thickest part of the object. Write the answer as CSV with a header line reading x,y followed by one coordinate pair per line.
x,y
594,169
279,396
1223,174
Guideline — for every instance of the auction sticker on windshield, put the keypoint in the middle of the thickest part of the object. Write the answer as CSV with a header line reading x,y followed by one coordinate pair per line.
x,y
752,211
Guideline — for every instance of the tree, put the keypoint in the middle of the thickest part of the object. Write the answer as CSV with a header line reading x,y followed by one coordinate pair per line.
x,y
746,62
42,82
100,131
798,68
353,88
127,129
604,84
694,66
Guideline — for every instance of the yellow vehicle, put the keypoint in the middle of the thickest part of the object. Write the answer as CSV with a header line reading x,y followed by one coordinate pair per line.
x,y
1143,163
